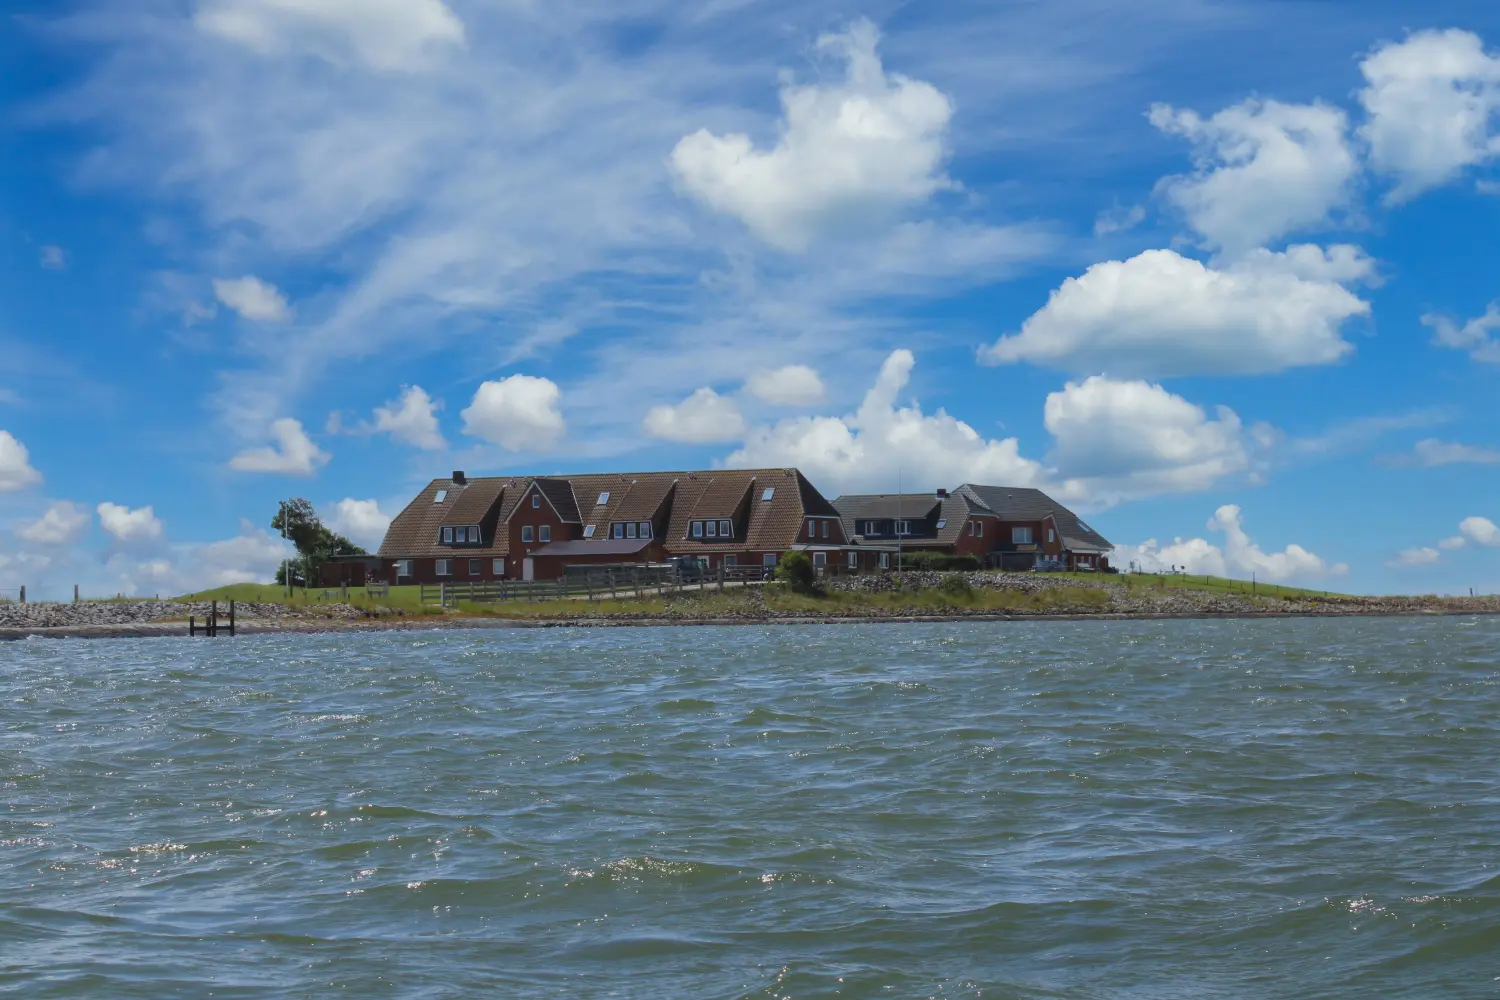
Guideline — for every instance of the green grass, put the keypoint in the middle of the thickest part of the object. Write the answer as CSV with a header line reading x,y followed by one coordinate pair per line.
x,y
1207,584
935,600
408,599
565,608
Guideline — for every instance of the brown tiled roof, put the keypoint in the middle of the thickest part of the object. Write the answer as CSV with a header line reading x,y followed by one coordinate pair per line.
x,y
721,493
469,504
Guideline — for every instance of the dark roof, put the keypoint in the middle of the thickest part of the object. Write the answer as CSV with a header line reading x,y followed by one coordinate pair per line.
x,y
1016,503
952,510
584,547
911,505
560,493
469,504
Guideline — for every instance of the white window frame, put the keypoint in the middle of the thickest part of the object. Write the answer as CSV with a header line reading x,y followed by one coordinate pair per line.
x,y
768,560
440,496
853,560
979,528
825,529
768,495
629,529
544,533
536,501
497,567
447,535
903,527
726,529
711,529
1051,535
645,529
527,533
820,560
588,531
1020,535
697,529
603,499
403,568
442,567
617,530
885,560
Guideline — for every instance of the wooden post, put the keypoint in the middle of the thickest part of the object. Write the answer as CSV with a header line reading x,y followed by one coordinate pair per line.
x,y
23,593
192,625
213,619
75,593
442,593
231,618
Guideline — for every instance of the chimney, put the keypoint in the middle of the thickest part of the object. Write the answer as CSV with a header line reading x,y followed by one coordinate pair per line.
x,y
942,494
459,479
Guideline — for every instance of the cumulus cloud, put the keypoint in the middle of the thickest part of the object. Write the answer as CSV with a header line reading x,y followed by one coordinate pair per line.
x,y
130,527
1431,102
1119,219
519,413
1239,556
703,417
1420,556
870,448
1263,169
361,521
849,152
253,299
381,34
1160,314
62,524
293,454
252,557
1475,336
16,472
1479,531
792,385
1121,439
412,419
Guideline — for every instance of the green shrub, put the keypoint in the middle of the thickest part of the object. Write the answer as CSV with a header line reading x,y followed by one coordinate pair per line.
x,y
956,587
939,562
796,571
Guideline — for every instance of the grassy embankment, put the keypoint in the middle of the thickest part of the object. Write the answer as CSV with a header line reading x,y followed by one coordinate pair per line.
x,y
1208,584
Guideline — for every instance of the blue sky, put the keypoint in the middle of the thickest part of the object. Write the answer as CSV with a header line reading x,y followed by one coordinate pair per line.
x,y
1219,274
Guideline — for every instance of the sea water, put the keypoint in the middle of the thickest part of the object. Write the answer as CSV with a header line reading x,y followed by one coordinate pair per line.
x,y
1293,808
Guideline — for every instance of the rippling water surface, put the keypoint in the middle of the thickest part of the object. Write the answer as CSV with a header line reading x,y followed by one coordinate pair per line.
x,y
1125,809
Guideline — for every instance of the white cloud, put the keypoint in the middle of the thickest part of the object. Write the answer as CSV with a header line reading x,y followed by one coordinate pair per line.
x,y
519,413
869,449
849,153
1431,453
361,521
130,527
1420,556
1160,314
412,419
252,557
1263,169
792,385
54,258
1431,101
1119,219
382,34
1239,556
62,524
16,472
1479,531
703,417
1123,439
293,454
1475,336
253,299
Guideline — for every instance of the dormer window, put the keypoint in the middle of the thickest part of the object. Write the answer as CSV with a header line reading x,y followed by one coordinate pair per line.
x,y
724,531
447,536
697,529
711,529
617,531
645,529
903,527
630,530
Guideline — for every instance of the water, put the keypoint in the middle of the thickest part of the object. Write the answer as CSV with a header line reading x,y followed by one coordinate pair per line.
x,y
1124,810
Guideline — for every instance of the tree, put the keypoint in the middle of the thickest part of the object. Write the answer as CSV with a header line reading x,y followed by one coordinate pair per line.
x,y
315,542
796,571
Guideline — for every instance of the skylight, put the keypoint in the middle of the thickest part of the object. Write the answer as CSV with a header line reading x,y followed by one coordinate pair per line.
x,y
440,497
588,529
768,494
942,525
603,499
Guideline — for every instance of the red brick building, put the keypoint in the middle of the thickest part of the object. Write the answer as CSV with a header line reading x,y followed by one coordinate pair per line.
x,y
539,527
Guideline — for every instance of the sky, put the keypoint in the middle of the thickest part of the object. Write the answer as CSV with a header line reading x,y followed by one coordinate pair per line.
x,y
1219,275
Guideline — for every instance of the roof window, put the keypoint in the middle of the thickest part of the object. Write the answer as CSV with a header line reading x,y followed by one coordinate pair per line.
x,y
440,496
768,494
588,531
942,525
603,499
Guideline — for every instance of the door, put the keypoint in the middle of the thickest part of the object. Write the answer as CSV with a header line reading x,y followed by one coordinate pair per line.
x,y
528,569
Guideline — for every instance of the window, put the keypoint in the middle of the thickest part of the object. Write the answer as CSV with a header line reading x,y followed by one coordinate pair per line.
x,y
403,568
971,527
724,529
712,527
1020,536
885,560
546,533
526,535
645,529
474,569
697,529
447,536
497,567
630,530
825,529
603,499
903,527
536,500
854,560
768,494
440,496
820,560
1051,536
979,528
617,531
445,567
731,560
812,528
588,531
944,524
769,559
